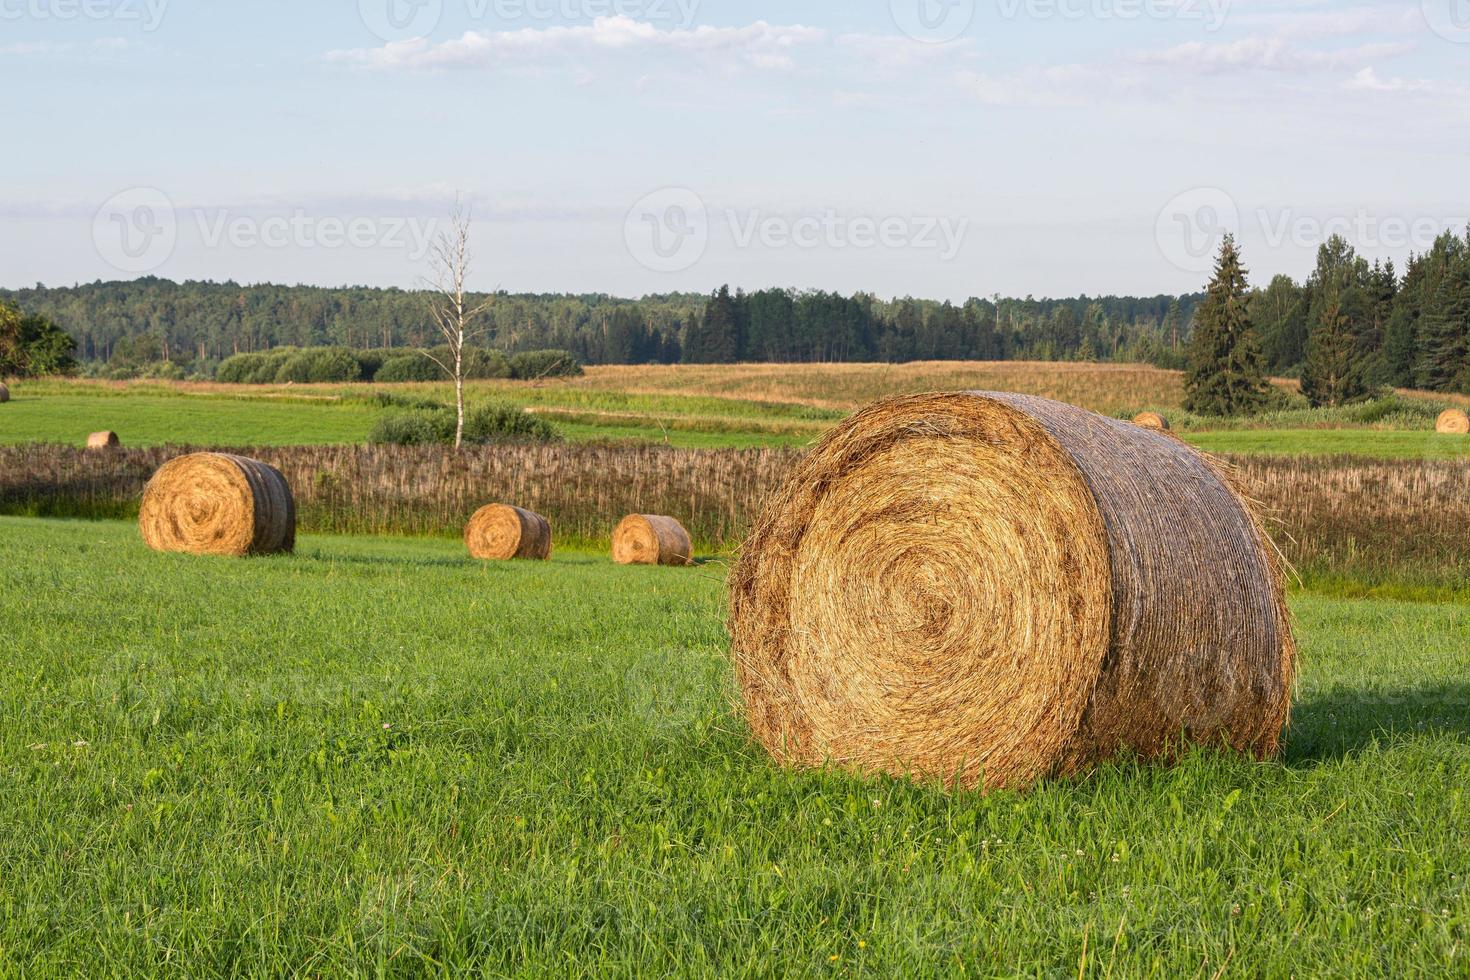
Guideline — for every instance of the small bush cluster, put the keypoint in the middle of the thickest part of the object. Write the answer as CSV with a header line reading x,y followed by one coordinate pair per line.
x,y
537,364
388,365
426,423
1288,411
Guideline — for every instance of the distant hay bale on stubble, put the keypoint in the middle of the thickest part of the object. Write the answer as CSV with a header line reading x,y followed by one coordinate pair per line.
x,y
501,532
1453,422
649,539
988,589
218,504
1151,420
103,440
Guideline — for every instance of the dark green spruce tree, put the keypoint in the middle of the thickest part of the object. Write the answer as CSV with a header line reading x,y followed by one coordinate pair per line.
x,y
1444,332
1333,372
1227,374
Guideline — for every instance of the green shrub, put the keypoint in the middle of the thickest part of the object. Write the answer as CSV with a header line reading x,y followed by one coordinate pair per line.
x,y
387,399
408,366
482,364
536,364
414,427
164,371
239,368
254,369
370,361
319,364
120,372
504,422
429,423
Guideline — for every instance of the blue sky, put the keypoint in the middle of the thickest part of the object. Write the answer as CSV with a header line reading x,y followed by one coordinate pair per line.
x,y
942,148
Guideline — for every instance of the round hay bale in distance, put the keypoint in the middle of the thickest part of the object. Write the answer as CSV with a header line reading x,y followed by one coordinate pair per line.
x,y
501,532
4,394
649,539
1453,422
103,440
218,504
989,589
1151,420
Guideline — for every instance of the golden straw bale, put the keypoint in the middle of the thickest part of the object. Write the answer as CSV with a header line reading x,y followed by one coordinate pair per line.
x,y
103,440
648,539
1151,420
988,589
1453,422
501,532
218,504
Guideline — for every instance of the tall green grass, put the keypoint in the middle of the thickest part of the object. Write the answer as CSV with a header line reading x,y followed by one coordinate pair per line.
x,y
378,757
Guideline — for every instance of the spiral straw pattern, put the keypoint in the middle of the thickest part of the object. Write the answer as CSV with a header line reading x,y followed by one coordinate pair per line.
x,y
989,589
649,539
501,532
1151,420
1453,422
218,504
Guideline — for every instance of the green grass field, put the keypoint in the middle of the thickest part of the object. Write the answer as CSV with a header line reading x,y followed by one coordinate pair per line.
x,y
154,413
379,757
1371,443
154,420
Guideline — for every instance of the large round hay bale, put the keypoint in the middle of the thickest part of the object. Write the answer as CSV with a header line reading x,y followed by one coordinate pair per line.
x,y
1453,422
992,588
218,504
1151,420
103,440
4,393
648,539
501,532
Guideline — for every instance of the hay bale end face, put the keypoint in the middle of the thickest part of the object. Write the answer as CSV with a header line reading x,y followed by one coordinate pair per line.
x,y
103,440
1453,422
4,394
649,539
988,589
1151,420
501,532
218,504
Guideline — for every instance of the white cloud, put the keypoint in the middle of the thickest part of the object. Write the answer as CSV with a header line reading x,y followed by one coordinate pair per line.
x,y
1379,19
1054,85
22,49
898,50
1368,80
1269,54
760,44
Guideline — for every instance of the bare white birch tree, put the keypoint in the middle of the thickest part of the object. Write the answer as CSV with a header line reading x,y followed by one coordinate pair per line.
x,y
457,320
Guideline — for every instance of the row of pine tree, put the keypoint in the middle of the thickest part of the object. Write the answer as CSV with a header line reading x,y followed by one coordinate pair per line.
x,y
1351,330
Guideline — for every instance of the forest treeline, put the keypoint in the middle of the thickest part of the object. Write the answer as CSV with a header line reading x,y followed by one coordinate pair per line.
x,y
1349,329
198,325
